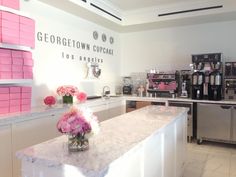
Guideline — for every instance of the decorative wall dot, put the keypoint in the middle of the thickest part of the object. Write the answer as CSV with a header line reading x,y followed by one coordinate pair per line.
x,y
95,35
104,37
111,40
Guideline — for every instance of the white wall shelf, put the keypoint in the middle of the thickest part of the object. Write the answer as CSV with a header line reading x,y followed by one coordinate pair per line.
x,y
15,81
14,11
16,47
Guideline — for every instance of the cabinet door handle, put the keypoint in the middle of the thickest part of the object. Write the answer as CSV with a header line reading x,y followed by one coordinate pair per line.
x,y
225,107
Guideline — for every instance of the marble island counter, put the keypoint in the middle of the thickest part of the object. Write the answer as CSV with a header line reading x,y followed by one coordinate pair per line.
x,y
148,142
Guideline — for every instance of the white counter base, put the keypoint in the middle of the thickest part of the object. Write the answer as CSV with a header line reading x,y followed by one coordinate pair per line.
x,y
154,146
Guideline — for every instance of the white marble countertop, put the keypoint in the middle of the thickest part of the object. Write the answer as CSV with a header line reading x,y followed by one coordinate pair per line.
x,y
37,112
117,136
40,111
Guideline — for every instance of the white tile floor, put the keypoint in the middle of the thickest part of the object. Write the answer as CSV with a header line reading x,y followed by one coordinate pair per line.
x,y
211,160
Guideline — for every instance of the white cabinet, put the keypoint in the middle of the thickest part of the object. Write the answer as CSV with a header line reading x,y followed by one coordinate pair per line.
x,y
109,109
30,132
213,122
5,151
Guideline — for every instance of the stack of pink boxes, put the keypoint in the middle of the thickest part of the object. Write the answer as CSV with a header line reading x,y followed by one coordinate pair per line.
x,y
15,99
16,29
16,64
14,4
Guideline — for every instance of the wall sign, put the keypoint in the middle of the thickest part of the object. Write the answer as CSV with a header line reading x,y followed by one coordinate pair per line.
x,y
78,45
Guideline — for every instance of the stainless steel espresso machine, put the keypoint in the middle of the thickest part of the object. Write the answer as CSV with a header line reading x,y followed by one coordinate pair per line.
x,y
162,84
207,76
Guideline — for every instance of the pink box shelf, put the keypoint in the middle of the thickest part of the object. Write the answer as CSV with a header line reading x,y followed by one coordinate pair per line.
x,y
15,99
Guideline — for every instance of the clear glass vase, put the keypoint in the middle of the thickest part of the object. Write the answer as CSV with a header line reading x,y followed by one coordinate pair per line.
x,y
77,143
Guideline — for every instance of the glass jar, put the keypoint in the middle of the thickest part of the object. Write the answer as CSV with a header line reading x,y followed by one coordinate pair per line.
x,y
77,143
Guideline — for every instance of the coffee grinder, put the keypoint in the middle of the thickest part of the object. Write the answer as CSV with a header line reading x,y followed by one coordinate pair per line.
x,y
127,85
185,82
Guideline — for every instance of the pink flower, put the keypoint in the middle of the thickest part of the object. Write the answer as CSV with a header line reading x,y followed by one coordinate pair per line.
x,y
81,96
50,100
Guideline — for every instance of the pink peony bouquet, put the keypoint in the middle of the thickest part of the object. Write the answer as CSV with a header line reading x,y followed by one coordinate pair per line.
x,y
49,100
78,122
67,90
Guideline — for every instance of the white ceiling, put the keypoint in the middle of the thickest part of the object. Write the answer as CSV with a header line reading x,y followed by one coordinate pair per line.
x,y
126,5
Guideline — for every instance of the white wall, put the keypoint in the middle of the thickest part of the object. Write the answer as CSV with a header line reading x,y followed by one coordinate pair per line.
x,y
51,70
171,48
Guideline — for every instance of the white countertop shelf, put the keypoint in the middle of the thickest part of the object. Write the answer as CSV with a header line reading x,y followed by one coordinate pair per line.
x,y
16,47
15,81
7,9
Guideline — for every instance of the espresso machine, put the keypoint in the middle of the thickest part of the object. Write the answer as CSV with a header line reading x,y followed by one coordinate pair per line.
x,y
207,76
162,84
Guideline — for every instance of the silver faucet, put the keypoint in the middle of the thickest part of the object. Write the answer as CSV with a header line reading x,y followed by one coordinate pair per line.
x,y
106,91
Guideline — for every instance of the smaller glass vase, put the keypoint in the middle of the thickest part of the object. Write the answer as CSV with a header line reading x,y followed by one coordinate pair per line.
x,y
77,143
67,99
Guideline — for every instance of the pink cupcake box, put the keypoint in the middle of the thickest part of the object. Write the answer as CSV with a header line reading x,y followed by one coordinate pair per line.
x,y
15,89
5,52
16,68
14,33
27,21
25,108
4,90
28,62
27,68
4,110
15,96
27,55
10,24
25,89
26,29
14,4
5,60
4,96
4,103
5,75
5,67
15,102
17,75
26,95
16,53
10,16
14,109
25,101
28,75
17,61
10,40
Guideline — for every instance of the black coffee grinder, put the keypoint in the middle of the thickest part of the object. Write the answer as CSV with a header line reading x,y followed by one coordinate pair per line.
x,y
215,83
